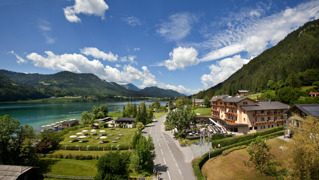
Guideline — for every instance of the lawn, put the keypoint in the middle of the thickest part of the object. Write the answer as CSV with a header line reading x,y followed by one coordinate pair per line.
x,y
70,167
203,111
232,165
125,139
254,96
305,88
159,114
115,115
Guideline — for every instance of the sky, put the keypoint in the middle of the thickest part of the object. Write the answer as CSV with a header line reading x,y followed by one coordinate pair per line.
x,y
183,45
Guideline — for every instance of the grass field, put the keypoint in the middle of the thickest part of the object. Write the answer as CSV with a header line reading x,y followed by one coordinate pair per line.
x,y
70,167
254,96
232,165
160,114
203,111
127,133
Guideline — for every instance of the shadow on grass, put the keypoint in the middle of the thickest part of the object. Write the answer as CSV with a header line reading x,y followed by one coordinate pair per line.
x,y
45,164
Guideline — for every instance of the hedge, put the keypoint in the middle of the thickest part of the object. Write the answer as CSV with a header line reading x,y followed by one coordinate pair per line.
x,y
198,164
232,140
96,148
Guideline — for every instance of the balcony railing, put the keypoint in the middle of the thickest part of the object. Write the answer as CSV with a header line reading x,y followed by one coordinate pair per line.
x,y
215,110
229,120
231,106
269,121
231,114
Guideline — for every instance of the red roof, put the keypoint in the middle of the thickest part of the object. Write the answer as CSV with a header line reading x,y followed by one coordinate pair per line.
x,y
314,93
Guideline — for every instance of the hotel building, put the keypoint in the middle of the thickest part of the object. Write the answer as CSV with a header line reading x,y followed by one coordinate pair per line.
x,y
243,115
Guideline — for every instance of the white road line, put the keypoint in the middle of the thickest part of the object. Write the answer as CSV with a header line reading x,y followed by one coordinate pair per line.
x,y
172,155
169,177
162,152
159,144
164,160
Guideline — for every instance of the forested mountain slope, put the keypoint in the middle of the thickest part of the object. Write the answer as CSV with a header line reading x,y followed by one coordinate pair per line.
x,y
297,52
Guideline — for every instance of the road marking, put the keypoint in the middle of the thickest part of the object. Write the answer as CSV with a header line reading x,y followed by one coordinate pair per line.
x,y
159,144
161,151
172,156
169,177
164,160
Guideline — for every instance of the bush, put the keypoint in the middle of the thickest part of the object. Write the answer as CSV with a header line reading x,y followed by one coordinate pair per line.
x,y
198,164
226,152
237,139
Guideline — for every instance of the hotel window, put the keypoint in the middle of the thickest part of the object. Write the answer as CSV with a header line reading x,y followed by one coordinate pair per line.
x,y
255,127
251,128
256,119
269,118
262,119
262,111
275,118
244,120
268,126
261,127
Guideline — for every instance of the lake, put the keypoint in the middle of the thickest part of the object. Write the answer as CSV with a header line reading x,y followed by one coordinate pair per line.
x,y
39,114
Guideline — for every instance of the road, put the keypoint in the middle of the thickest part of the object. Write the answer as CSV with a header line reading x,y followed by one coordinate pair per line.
x,y
170,161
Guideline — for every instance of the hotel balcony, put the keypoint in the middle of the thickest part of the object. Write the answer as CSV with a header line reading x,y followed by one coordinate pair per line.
x,y
231,114
215,110
260,115
229,120
214,116
270,121
231,106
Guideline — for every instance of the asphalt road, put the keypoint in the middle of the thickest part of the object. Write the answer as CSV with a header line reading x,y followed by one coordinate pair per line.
x,y
169,161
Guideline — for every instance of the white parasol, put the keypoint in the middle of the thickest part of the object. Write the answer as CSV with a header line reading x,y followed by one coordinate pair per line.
x,y
73,136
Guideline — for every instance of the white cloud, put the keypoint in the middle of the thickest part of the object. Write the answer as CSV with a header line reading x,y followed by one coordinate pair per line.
x,y
132,21
180,58
89,7
20,59
222,70
177,27
45,28
251,33
96,53
137,49
130,59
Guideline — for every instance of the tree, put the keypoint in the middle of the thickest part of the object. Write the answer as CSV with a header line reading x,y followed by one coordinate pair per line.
x,y
271,84
14,141
113,166
115,109
141,115
143,155
156,104
261,159
86,117
207,102
181,118
288,95
49,141
304,149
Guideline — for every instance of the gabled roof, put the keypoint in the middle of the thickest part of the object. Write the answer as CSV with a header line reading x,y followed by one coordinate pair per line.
x,y
309,109
71,121
272,105
12,172
198,100
227,98
242,91
313,93
124,119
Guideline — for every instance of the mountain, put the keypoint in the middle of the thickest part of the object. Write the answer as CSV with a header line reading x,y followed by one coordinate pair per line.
x,y
296,53
77,84
11,91
67,83
158,92
131,86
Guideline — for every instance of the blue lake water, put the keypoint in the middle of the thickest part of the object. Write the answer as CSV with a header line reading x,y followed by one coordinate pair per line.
x,y
39,114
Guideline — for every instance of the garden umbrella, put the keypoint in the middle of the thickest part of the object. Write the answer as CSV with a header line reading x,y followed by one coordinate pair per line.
x,y
79,133
85,131
102,131
81,137
73,136
93,130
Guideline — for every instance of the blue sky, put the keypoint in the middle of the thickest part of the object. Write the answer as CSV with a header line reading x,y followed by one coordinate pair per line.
x,y
184,45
